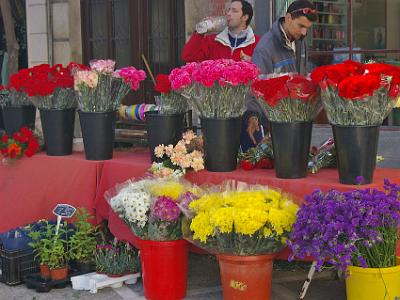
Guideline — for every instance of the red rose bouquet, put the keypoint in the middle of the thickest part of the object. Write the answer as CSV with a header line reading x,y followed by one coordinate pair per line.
x,y
20,144
288,98
358,94
14,93
169,102
51,87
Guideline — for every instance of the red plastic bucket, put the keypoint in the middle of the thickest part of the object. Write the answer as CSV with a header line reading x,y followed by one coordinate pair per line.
x,y
246,277
164,269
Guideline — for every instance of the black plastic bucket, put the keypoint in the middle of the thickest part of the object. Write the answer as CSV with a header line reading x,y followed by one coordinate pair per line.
x,y
356,149
221,143
163,129
98,132
1,119
291,144
16,117
58,130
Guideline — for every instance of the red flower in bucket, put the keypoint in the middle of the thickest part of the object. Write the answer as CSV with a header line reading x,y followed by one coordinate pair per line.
x,y
163,85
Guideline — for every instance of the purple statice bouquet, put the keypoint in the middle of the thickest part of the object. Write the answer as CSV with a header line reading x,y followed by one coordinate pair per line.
x,y
355,228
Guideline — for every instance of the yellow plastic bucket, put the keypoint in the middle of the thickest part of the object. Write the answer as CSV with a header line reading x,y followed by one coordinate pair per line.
x,y
373,283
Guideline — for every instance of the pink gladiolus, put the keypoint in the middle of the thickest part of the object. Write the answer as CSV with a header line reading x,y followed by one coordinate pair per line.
x,y
132,76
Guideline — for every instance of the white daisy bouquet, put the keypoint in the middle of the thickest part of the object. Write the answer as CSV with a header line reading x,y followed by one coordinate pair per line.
x,y
152,208
131,201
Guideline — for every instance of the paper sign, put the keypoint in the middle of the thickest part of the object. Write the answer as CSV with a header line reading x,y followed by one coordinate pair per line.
x,y
64,210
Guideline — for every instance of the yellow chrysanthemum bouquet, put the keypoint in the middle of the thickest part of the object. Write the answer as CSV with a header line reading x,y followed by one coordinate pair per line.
x,y
241,221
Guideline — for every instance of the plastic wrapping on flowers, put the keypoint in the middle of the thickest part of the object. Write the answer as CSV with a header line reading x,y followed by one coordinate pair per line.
x,y
152,208
240,219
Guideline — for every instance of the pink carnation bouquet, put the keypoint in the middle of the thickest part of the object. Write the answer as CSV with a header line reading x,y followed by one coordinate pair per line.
x,y
216,88
102,88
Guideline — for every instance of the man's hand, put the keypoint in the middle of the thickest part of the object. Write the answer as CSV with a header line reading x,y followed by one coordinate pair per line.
x,y
244,56
252,127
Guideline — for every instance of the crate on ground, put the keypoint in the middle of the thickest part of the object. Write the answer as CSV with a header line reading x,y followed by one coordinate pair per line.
x,y
16,264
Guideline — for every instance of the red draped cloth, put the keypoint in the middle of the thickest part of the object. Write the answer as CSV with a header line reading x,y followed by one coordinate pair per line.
x,y
31,187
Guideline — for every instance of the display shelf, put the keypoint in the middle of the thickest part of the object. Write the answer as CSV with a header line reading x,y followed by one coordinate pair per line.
x,y
330,13
330,2
330,29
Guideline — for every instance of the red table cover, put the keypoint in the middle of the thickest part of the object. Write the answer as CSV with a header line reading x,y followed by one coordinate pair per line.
x,y
31,187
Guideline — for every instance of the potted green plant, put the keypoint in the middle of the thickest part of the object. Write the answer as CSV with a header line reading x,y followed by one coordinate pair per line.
x,y
51,249
117,259
82,245
40,244
58,255
100,92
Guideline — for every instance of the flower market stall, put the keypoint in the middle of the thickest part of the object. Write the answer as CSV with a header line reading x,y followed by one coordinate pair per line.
x,y
158,202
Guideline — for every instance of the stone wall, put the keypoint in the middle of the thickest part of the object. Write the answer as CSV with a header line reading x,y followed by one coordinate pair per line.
x,y
54,31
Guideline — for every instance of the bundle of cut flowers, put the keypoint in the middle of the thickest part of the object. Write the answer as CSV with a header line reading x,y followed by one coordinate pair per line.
x,y
355,228
215,88
102,88
240,219
3,95
187,154
288,98
152,208
323,156
358,94
14,93
259,157
169,102
22,143
52,87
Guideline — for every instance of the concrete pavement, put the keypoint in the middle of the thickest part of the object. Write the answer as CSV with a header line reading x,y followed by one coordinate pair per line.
x,y
203,284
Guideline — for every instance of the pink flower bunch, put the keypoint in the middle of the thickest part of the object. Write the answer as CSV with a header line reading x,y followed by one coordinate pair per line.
x,y
207,73
102,65
131,76
181,78
165,209
225,72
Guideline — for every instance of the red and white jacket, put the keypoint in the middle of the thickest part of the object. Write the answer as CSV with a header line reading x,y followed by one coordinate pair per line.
x,y
216,46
